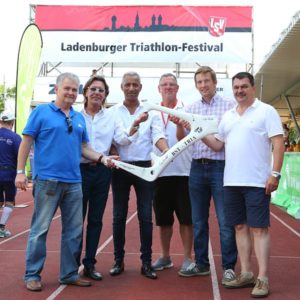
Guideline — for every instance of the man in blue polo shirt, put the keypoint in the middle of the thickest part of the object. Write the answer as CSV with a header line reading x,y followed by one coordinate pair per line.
x,y
60,138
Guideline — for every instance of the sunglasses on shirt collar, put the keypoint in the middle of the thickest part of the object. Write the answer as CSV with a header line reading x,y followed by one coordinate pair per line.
x,y
69,124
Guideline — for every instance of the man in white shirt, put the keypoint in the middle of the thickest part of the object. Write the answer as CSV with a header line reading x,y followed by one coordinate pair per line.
x,y
103,128
150,133
171,193
248,132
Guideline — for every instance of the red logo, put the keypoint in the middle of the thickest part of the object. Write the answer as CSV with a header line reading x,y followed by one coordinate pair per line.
x,y
217,26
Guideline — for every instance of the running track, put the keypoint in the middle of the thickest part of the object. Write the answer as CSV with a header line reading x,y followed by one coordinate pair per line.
x,y
284,270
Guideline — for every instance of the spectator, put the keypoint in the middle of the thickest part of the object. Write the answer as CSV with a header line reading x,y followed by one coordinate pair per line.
x,y
9,146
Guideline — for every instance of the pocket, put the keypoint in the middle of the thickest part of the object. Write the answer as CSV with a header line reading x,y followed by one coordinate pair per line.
x,y
51,187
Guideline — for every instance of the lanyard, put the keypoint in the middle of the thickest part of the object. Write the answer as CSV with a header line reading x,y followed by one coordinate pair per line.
x,y
163,117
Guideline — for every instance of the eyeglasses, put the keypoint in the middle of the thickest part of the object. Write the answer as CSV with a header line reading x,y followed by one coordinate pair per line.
x,y
69,123
95,89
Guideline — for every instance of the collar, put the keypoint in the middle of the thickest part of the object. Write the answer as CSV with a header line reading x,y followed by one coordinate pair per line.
x,y
55,108
212,101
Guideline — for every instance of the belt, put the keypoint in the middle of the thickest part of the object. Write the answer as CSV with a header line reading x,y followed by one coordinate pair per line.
x,y
90,164
206,161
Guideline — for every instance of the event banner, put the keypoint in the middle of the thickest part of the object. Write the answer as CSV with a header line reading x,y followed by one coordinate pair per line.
x,y
206,34
288,192
27,68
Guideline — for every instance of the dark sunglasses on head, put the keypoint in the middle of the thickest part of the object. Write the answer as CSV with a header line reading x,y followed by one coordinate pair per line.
x,y
69,124
95,89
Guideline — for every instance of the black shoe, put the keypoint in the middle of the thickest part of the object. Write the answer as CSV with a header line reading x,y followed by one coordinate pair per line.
x,y
92,273
147,271
117,269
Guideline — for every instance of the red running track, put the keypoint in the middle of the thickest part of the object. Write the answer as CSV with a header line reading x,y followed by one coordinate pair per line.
x,y
284,263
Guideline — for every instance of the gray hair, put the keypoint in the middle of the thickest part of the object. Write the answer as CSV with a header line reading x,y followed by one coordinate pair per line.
x,y
132,73
60,78
167,75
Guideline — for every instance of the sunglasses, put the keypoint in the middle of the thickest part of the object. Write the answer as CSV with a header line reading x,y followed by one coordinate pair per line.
x,y
69,124
95,89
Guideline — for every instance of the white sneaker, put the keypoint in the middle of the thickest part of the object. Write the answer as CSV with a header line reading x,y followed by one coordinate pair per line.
x,y
162,263
228,275
4,233
187,264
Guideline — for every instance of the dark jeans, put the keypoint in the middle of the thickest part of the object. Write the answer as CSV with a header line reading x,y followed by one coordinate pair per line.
x,y
206,181
95,187
121,184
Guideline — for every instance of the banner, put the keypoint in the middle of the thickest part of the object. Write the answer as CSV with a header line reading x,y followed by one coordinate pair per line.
x,y
288,192
206,34
27,68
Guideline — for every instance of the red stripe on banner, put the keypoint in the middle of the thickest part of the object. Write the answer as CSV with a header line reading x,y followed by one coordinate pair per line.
x,y
107,17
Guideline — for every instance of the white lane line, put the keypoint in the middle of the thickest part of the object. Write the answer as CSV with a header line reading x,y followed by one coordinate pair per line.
x,y
286,225
63,286
214,278
21,233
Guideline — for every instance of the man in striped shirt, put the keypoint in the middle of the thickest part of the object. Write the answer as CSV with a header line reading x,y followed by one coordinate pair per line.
x,y
206,182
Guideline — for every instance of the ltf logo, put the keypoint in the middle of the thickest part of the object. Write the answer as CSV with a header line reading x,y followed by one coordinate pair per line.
x,y
217,26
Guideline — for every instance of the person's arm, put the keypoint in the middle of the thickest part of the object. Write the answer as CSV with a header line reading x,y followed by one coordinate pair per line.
x,y
89,153
162,145
181,127
212,142
24,149
278,153
135,125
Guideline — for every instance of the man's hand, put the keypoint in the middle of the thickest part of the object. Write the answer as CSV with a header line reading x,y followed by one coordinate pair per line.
x,y
271,185
180,122
21,182
141,118
107,161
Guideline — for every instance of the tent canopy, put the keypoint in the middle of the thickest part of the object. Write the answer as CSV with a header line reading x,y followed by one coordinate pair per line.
x,y
279,76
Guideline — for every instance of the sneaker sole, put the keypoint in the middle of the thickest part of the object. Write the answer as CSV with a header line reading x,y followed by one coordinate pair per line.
x,y
193,275
260,296
248,285
164,267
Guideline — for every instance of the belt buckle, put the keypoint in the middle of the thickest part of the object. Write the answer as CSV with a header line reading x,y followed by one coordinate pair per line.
x,y
204,161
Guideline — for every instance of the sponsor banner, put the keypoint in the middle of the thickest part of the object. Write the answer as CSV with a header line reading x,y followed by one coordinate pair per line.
x,y
44,90
146,33
288,192
27,68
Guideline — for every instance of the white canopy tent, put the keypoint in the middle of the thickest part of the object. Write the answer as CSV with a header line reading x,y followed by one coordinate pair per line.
x,y
278,79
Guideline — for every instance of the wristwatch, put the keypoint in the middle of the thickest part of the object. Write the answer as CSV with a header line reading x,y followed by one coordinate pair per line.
x,y
276,174
21,171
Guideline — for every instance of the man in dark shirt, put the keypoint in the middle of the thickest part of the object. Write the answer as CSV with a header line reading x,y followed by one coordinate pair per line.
x,y
9,146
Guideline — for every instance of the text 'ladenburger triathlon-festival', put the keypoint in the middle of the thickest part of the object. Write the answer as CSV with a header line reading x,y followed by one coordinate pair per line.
x,y
141,47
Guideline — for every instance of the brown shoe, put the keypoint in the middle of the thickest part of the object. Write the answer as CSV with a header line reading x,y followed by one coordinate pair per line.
x,y
243,280
34,285
79,282
260,290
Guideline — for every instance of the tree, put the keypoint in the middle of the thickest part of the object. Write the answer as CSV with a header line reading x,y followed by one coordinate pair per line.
x,y
10,92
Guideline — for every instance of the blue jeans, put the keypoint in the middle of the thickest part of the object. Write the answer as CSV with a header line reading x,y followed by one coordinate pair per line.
x,y
206,181
95,188
48,196
121,184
